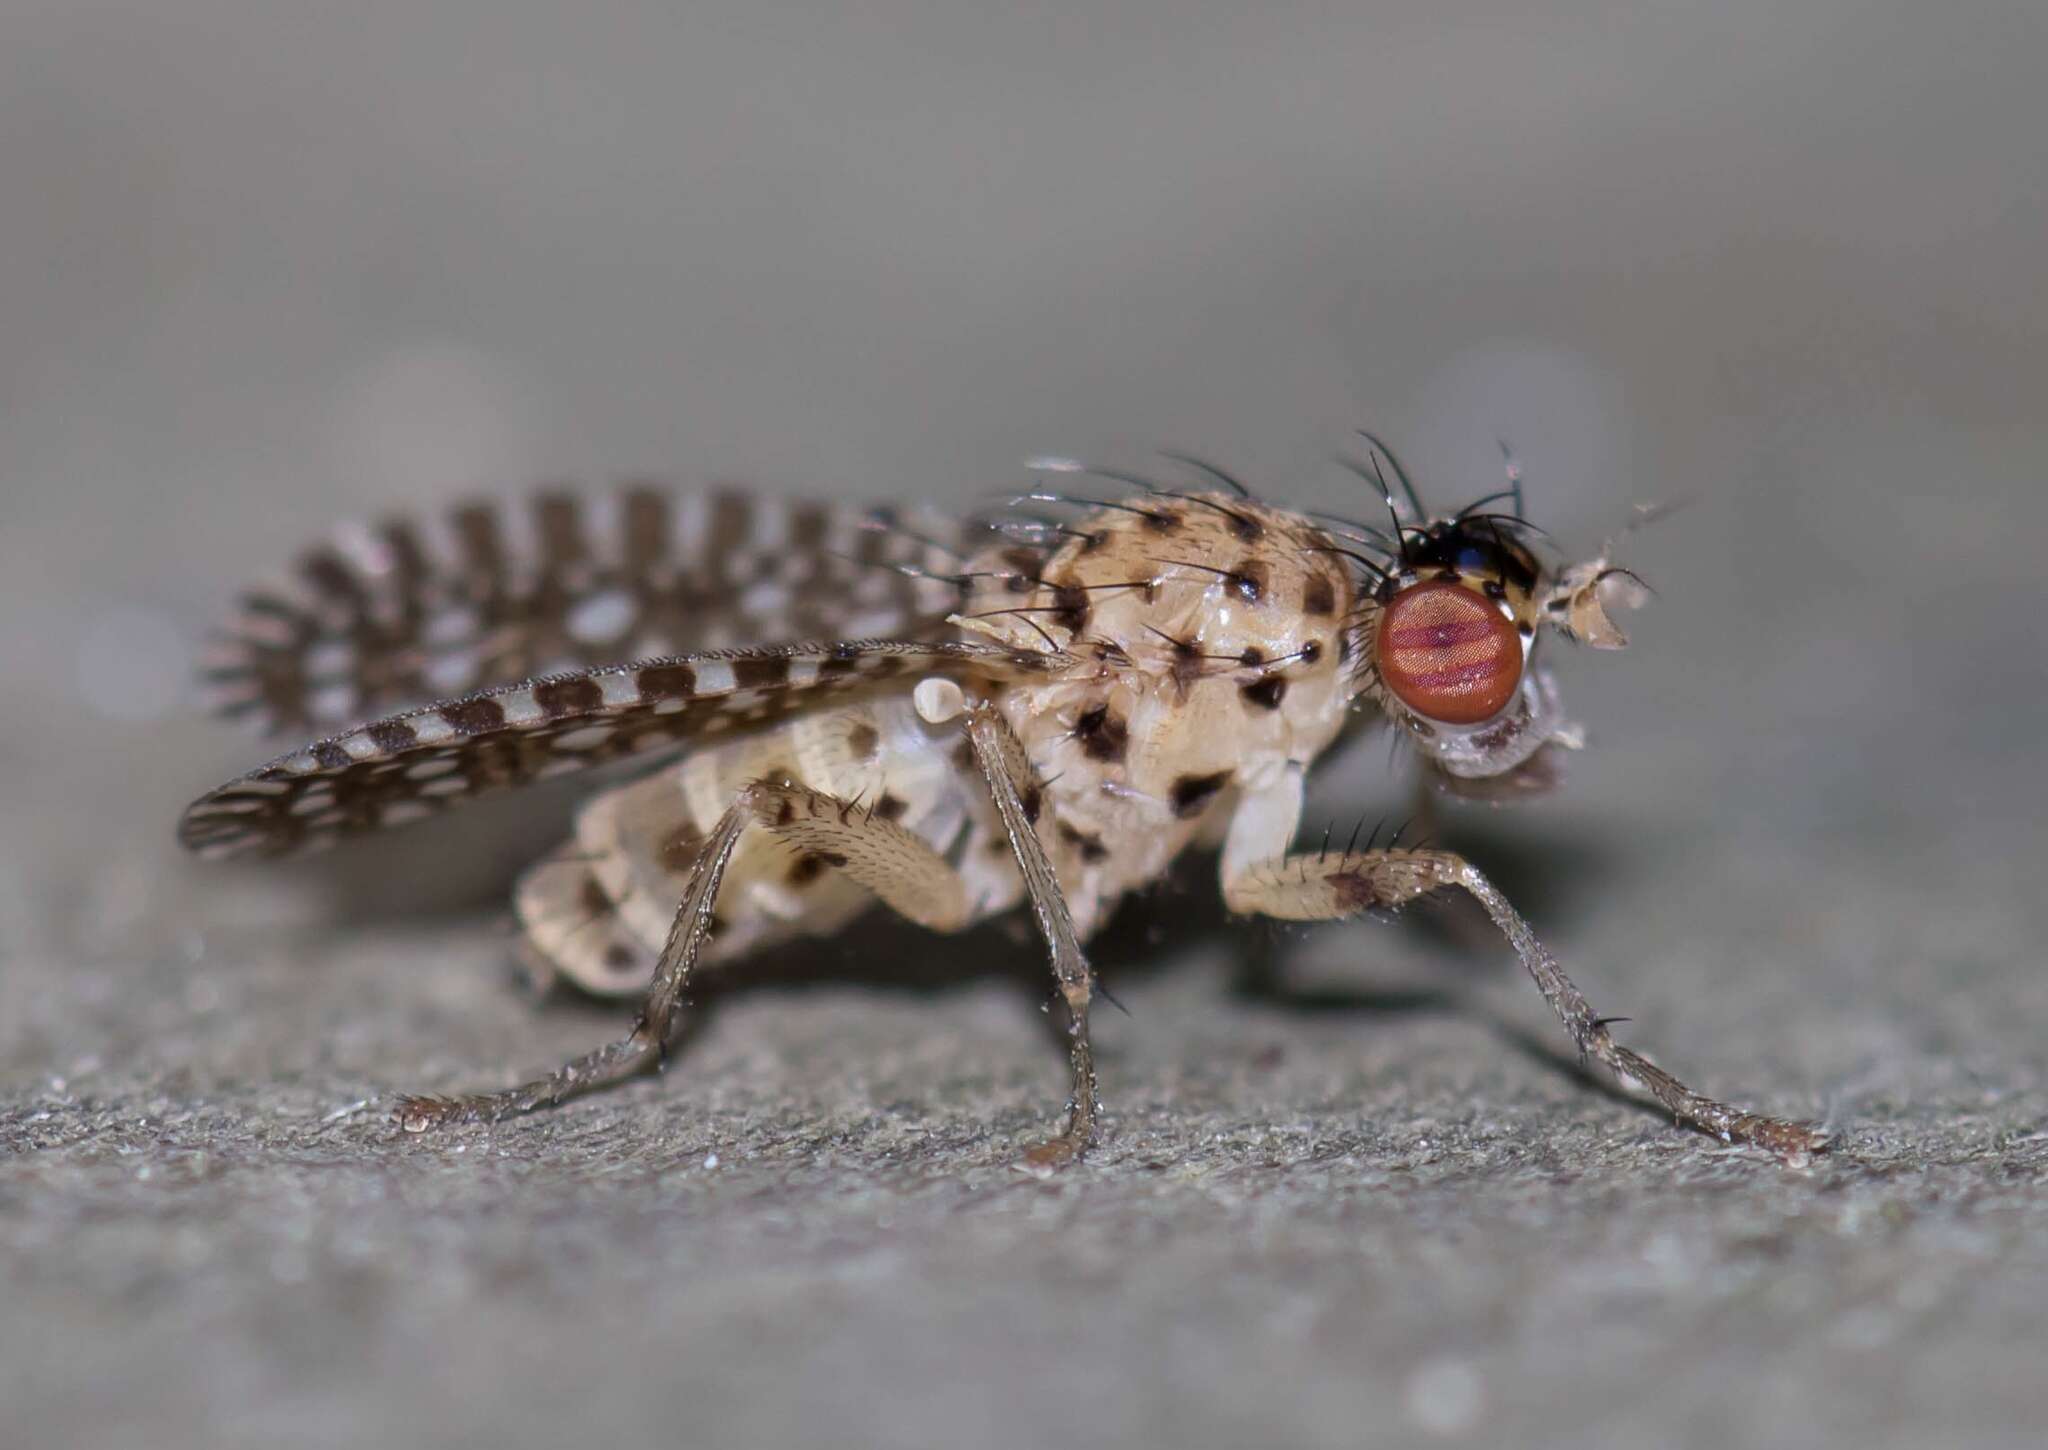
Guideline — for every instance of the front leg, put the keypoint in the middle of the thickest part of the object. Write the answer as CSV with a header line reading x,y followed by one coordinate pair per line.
x,y
1331,885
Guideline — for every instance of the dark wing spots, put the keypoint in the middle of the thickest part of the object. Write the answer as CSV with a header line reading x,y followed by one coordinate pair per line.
x,y
757,671
659,682
578,696
393,735
474,717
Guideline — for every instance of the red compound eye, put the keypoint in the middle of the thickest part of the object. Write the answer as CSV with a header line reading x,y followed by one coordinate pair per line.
x,y
1449,654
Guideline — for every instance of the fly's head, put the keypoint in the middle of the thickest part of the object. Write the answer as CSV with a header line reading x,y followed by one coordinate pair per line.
x,y
1447,641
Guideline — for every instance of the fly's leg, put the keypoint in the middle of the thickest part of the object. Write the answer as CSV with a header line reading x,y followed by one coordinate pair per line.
x,y
897,865
1014,786
1318,886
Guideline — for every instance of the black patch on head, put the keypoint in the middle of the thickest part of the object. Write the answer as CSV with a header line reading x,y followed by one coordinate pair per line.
x,y
1267,693
861,739
1162,522
1478,546
1248,580
1192,793
1311,651
1319,595
1102,735
890,807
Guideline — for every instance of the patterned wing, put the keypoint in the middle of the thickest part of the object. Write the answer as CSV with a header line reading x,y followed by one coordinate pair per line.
x,y
409,765
392,615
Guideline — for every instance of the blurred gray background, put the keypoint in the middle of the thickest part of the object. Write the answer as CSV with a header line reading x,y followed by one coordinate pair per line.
x,y
266,267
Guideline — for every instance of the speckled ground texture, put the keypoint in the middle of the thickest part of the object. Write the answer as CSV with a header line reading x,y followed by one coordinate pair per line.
x,y
262,273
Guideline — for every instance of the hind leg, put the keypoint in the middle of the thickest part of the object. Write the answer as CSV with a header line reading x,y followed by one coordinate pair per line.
x,y
892,862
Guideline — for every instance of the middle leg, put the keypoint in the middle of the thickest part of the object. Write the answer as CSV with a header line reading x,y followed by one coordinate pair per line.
x,y
1014,786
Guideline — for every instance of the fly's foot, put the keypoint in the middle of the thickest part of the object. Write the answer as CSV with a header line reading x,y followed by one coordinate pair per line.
x,y
1047,1158
423,1112
1793,1144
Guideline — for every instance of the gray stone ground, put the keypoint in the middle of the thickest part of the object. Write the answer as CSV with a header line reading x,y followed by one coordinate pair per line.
x,y
1353,1188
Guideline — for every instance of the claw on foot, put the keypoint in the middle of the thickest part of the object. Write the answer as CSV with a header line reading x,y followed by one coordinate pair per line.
x,y
425,1113
1793,1144
1042,1160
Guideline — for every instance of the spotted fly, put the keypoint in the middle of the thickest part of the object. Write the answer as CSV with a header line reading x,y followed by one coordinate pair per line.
x,y
1039,708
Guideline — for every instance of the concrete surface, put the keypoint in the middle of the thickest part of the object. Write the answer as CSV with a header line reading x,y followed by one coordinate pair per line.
x,y
260,271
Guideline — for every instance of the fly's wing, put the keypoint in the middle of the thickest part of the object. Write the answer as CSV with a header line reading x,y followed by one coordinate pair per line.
x,y
409,765
392,615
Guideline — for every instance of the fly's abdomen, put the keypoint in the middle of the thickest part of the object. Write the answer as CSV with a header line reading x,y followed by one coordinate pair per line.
x,y
599,909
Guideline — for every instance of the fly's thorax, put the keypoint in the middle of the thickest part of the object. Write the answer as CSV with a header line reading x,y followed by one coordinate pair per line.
x,y
1212,640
